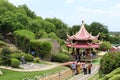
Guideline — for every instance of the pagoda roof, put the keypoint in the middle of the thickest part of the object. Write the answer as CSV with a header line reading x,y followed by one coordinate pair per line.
x,y
83,45
82,34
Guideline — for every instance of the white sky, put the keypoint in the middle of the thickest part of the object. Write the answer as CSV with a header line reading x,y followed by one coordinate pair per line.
x,y
72,12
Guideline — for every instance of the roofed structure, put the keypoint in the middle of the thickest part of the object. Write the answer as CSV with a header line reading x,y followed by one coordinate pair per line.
x,y
82,39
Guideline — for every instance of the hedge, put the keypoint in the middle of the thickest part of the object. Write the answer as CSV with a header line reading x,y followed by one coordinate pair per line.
x,y
60,57
18,56
15,62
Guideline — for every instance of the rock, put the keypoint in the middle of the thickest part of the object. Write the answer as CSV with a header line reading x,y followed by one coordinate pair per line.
x,y
1,72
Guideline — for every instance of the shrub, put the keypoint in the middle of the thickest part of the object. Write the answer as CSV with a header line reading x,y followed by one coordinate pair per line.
x,y
22,39
28,57
109,62
5,55
41,48
1,61
15,62
60,57
114,75
37,60
105,46
2,43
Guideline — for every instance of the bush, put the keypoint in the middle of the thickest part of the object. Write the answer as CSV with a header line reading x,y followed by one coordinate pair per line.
x,y
2,43
22,39
114,75
1,61
60,57
109,62
105,46
41,48
37,60
5,55
15,62
28,57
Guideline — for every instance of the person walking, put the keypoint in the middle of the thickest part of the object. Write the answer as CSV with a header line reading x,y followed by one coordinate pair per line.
x,y
89,67
73,66
85,68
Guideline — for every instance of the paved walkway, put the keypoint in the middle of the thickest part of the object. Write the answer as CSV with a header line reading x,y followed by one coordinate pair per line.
x,y
33,67
87,76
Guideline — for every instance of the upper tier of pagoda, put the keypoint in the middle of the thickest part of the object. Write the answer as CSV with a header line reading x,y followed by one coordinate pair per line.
x,y
82,34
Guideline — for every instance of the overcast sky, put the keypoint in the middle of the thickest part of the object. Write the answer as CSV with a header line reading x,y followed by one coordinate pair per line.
x,y
72,12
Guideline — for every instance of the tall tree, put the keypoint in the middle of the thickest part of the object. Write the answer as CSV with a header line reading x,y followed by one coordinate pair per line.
x,y
97,27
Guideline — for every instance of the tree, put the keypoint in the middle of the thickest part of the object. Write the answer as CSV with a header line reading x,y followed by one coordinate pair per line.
x,y
96,28
29,13
35,25
48,27
105,46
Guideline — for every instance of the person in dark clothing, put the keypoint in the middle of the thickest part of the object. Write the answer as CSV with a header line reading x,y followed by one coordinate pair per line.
x,y
89,68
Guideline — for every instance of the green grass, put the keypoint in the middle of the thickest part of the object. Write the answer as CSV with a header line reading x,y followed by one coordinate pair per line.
x,y
15,75
97,60
95,77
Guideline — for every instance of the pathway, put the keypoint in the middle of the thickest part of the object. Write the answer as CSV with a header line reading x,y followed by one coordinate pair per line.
x,y
87,76
33,67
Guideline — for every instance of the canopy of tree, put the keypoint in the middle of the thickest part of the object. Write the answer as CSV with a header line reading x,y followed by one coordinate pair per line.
x,y
13,18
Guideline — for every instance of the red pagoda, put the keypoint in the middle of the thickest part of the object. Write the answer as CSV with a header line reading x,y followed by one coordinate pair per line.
x,y
82,40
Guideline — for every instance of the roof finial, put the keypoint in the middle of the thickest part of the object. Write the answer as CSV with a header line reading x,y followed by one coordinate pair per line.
x,y
82,21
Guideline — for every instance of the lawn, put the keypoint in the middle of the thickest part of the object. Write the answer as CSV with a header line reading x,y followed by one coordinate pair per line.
x,y
14,75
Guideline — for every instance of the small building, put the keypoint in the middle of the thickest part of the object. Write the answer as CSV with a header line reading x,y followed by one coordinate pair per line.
x,y
82,40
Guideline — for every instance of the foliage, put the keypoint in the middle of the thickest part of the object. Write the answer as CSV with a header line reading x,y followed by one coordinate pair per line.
x,y
48,27
41,48
29,13
109,62
15,62
96,28
5,56
18,56
105,45
60,57
59,26
37,59
25,33
2,43
53,36
17,75
114,39
28,57
114,75
22,39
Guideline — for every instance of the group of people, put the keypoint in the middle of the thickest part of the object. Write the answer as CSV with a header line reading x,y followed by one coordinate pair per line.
x,y
78,66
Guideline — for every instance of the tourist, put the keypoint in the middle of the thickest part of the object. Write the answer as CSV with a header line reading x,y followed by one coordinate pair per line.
x,y
89,67
78,67
85,68
73,66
